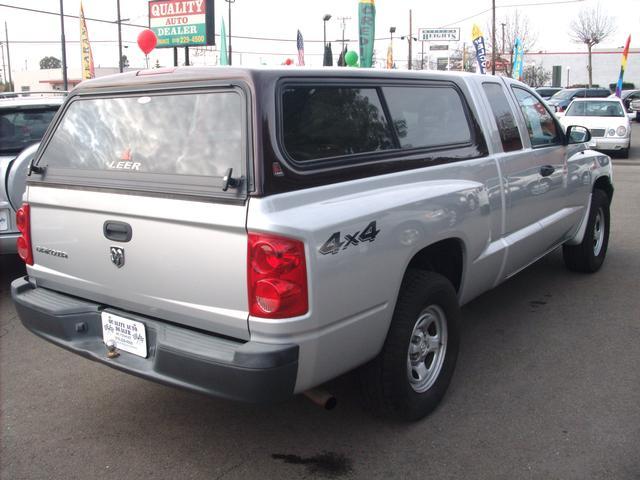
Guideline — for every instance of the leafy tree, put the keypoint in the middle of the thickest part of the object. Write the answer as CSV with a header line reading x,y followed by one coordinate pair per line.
x,y
591,27
47,63
535,75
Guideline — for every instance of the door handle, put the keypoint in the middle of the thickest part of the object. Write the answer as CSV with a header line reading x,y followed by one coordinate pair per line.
x,y
547,170
117,231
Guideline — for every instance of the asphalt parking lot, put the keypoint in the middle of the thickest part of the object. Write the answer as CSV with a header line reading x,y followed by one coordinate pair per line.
x,y
547,387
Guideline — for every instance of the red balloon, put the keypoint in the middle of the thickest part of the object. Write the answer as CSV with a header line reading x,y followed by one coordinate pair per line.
x,y
147,41
288,61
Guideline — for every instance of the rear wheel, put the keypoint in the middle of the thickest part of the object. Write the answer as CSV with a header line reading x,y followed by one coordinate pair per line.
x,y
411,374
589,255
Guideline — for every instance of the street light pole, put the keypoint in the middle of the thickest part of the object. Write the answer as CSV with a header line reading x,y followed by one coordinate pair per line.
x,y
65,83
230,50
503,50
325,19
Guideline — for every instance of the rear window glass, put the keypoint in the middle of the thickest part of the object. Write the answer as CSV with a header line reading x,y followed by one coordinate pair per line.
x,y
199,134
322,122
20,128
427,116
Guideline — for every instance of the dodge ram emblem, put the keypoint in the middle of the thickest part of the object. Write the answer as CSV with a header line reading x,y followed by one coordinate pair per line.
x,y
117,256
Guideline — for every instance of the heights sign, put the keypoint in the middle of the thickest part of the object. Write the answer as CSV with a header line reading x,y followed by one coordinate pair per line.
x,y
182,23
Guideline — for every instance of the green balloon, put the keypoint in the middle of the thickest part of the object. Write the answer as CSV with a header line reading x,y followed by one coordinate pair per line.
x,y
351,58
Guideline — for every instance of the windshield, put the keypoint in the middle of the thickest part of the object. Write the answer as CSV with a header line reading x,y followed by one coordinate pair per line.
x,y
595,109
21,127
563,95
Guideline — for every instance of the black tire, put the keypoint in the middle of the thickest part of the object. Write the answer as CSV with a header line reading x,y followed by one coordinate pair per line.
x,y
583,257
624,153
386,388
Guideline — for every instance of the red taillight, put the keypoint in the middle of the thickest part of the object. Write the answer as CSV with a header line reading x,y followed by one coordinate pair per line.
x,y
23,222
276,276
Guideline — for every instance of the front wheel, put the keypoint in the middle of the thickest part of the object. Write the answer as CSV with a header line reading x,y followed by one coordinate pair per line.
x,y
411,374
589,255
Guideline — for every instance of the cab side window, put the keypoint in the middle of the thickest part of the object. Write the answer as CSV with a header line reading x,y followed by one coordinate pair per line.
x,y
541,126
509,133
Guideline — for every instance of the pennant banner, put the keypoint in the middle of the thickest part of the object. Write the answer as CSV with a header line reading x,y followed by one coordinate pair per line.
x,y
300,45
481,53
625,54
224,58
390,56
518,60
88,70
367,22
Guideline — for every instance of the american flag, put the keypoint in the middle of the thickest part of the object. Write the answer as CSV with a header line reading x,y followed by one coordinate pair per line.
x,y
300,44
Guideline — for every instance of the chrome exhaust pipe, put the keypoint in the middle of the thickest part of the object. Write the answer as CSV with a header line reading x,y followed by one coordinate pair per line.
x,y
322,398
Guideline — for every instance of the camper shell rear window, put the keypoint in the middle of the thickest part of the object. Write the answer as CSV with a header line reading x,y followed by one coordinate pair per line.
x,y
177,141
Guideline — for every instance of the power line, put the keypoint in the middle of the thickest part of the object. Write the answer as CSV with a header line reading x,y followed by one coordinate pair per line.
x,y
555,2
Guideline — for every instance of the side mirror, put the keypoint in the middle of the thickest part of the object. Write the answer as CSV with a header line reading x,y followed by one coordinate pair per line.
x,y
577,134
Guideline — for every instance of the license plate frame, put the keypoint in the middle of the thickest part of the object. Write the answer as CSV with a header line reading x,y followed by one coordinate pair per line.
x,y
126,334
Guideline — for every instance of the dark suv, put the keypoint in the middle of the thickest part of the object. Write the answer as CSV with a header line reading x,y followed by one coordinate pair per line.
x,y
561,100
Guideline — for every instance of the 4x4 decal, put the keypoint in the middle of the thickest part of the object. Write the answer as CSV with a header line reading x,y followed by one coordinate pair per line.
x,y
335,244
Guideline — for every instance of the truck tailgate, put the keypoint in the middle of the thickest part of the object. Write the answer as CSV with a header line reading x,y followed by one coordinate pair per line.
x,y
185,262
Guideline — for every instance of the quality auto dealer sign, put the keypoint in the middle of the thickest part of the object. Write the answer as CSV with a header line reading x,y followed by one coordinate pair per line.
x,y
182,23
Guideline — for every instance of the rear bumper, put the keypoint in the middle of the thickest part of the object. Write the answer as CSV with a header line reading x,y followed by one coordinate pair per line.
x,y
243,371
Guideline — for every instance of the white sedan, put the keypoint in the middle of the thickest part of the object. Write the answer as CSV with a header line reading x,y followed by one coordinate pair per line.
x,y
605,118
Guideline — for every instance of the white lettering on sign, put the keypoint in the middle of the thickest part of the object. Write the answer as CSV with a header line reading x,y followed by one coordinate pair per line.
x,y
168,9
183,30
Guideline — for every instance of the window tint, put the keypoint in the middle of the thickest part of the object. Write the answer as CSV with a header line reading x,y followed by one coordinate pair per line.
x,y
509,133
20,128
179,134
541,126
427,116
322,122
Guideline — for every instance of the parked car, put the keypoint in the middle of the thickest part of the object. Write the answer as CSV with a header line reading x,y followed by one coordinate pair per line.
x,y
254,233
23,121
547,92
635,107
607,121
561,100
627,96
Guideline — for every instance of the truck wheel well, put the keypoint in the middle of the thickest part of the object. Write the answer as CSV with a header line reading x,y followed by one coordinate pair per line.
x,y
444,257
604,184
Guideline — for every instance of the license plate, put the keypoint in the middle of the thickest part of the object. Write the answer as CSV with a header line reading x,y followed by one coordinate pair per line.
x,y
126,334
593,144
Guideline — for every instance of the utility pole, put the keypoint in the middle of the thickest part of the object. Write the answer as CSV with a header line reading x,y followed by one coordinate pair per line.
x,y
503,50
65,83
493,38
6,33
410,37
120,66
343,23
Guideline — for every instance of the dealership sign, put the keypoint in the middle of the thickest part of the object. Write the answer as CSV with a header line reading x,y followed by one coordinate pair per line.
x,y
182,23
439,34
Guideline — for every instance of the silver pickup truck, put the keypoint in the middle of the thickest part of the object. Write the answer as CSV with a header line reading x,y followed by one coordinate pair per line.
x,y
254,233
